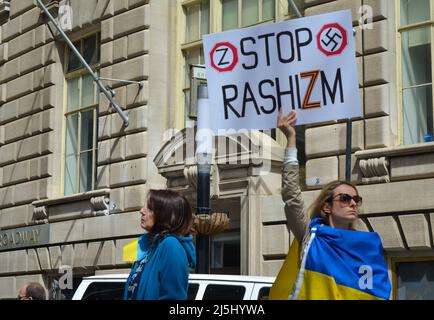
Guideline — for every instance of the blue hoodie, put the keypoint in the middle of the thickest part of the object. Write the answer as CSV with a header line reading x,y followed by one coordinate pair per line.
x,y
165,268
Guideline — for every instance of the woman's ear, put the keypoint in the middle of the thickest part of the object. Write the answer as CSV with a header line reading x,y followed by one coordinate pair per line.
x,y
326,208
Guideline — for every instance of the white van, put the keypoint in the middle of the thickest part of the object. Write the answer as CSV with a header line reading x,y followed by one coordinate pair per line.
x,y
201,287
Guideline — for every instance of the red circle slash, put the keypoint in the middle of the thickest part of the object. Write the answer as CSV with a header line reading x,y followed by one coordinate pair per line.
x,y
324,44
223,61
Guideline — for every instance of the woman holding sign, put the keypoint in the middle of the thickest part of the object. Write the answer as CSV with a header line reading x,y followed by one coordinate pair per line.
x,y
334,260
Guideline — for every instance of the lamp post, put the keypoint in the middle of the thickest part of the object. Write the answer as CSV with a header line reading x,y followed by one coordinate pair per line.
x,y
203,157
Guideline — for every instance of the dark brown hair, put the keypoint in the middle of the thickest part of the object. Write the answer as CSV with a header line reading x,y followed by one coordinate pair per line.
x,y
172,212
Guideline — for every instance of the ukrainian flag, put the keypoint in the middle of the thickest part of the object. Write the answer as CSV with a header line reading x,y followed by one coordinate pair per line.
x,y
337,265
136,249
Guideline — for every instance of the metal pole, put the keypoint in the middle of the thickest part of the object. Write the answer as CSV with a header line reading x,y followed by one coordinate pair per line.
x,y
203,187
203,241
139,83
295,8
86,65
348,151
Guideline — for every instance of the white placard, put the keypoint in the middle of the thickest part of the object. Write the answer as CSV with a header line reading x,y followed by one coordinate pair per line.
x,y
307,65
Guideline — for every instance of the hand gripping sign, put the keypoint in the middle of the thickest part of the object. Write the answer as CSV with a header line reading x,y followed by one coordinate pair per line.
x,y
307,65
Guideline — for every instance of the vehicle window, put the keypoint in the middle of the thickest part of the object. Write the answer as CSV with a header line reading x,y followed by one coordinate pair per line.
x,y
115,291
104,291
224,292
264,293
192,291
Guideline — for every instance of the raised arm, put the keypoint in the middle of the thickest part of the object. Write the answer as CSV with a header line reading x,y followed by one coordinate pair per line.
x,y
296,218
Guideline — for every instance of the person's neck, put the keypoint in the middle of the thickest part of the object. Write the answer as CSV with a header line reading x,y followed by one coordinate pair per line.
x,y
340,225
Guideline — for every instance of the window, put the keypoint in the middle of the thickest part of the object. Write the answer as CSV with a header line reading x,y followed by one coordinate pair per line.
x,y
242,13
414,280
192,57
81,118
197,18
224,292
225,253
114,290
104,291
193,288
416,26
264,293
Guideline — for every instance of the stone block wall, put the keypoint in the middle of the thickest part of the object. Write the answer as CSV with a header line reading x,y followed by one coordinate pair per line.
x,y
32,84
31,133
375,52
123,152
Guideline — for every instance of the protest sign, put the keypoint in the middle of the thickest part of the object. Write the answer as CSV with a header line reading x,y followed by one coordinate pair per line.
x,y
307,65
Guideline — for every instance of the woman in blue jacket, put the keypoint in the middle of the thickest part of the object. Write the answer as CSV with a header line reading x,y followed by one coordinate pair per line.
x,y
161,272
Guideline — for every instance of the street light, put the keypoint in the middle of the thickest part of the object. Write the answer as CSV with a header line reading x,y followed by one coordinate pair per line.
x,y
203,157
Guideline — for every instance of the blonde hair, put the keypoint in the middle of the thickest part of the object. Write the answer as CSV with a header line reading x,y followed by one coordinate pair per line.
x,y
326,194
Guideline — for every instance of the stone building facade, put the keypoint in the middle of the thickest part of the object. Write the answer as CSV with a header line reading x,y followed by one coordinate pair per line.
x,y
72,177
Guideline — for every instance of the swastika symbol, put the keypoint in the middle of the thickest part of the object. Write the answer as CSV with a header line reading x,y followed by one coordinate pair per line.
x,y
332,39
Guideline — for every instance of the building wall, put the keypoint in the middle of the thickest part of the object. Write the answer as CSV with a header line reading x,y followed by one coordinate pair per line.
x,y
31,124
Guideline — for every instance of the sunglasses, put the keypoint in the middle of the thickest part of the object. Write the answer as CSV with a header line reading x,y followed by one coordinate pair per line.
x,y
346,199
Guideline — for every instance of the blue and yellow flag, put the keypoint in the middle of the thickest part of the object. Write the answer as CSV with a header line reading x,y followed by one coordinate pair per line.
x,y
136,249
284,283
338,265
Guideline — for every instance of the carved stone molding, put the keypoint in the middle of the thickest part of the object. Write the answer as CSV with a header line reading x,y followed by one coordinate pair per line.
x,y
40,213
252,148
76,206
101,205
4,11
375,170
215,181
190,174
